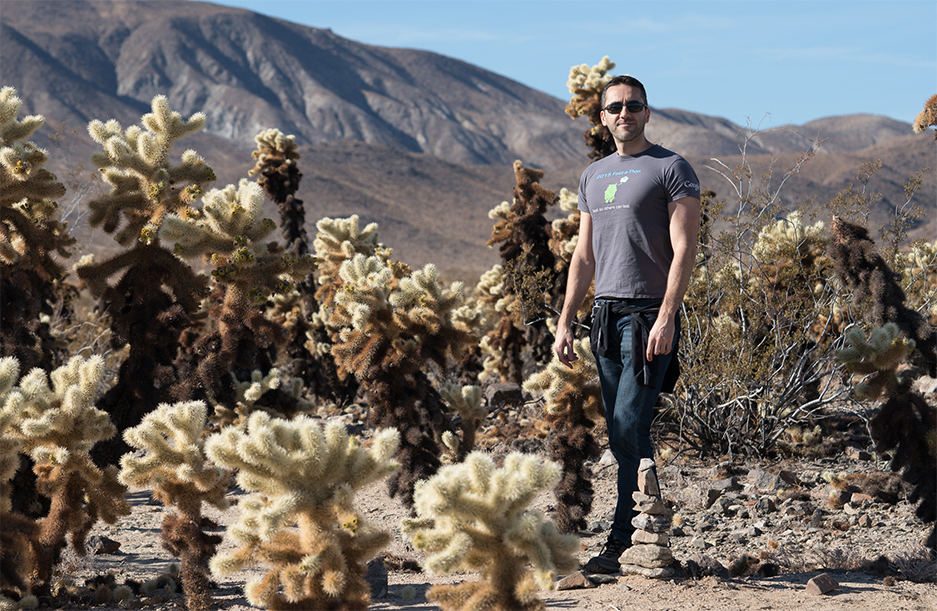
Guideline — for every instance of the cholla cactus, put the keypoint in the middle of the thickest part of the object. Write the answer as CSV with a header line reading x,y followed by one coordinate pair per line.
x,y
927,117
174,465
391,324
145,187
19,533
530,274
473,516
466,402
906,424
276,157
58,427
573,407
230,232
151,301
303,475
880,355
339,240
31,235
875,288
586,85
918,269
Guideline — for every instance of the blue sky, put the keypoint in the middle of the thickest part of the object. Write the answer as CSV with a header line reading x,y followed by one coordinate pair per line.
x,y
759,61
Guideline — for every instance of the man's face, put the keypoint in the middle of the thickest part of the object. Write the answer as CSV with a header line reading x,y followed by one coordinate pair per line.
x,y
625,126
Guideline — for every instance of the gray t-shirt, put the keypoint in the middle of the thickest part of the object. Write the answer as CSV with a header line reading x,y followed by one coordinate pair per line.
x,y
627,197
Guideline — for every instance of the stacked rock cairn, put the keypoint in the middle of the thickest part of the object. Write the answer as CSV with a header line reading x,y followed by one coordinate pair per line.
x,y
649,554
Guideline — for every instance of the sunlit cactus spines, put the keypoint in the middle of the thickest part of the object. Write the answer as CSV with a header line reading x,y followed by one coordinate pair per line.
x,y
531,280
573,408
468,403
927,117
145,185
586,85
173,464
33,239
790,238
19,533
473,516
230,233
878,357
305,476
58,426
389,324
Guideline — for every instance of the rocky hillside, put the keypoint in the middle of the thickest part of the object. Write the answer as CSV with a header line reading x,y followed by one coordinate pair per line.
x,y
420,143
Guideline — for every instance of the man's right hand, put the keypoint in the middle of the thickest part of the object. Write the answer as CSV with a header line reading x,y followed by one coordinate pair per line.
x,y
565,351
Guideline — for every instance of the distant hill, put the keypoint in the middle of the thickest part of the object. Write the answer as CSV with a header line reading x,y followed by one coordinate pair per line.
x,y
419,142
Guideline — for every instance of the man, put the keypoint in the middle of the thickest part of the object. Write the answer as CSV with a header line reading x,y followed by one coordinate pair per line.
x,y
640,217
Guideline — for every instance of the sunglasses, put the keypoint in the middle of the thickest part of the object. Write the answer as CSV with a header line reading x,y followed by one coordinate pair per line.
x,y
633,107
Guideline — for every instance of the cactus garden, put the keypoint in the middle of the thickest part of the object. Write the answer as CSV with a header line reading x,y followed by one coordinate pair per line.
x,y
239,406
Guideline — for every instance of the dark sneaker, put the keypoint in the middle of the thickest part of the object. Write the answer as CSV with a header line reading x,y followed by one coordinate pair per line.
x,y
607,561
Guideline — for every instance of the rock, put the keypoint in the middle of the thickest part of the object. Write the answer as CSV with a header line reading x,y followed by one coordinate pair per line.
x,y
864,521
726,484
504,394
704,565
764,481
599,579
821,584
649,504
789,478
849,510
647,480
101,545
607,459
600,526
376,577
647,555
854,453
712,496
643,536
650,573
861,497
574,581
657,524
766,505
699,543
838,498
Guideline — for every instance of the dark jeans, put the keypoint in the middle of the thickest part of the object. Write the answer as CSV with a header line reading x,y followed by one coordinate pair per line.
x,y
629,411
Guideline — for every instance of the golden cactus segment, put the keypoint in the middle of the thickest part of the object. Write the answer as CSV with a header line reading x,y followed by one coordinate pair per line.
x,y
560,384
473,516
878,357
145,186
174,457
303,475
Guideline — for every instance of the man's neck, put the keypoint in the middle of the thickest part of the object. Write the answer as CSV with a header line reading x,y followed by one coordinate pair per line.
x,y
626,149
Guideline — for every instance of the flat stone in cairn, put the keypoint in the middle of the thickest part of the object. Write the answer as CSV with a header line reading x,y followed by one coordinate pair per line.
x,y
647,555
651,573
648,522
647,478
645,503
643,536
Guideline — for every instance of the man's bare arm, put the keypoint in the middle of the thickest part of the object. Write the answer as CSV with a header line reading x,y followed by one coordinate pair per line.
x,y
581,271
684,228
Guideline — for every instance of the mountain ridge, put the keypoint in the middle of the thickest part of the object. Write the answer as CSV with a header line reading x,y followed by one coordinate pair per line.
x,y
418,142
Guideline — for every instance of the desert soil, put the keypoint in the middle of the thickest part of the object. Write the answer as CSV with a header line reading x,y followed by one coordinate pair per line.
x,y
799,530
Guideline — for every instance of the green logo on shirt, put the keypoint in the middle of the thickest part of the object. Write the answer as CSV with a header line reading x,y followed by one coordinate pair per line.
x,y
610,193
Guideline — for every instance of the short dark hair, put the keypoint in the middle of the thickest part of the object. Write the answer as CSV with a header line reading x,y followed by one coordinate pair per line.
x,y
624,79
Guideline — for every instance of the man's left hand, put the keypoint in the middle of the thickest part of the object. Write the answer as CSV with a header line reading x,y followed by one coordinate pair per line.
x,y
660,339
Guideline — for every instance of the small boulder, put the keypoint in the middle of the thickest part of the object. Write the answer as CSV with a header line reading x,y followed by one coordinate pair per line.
x,y
821,584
